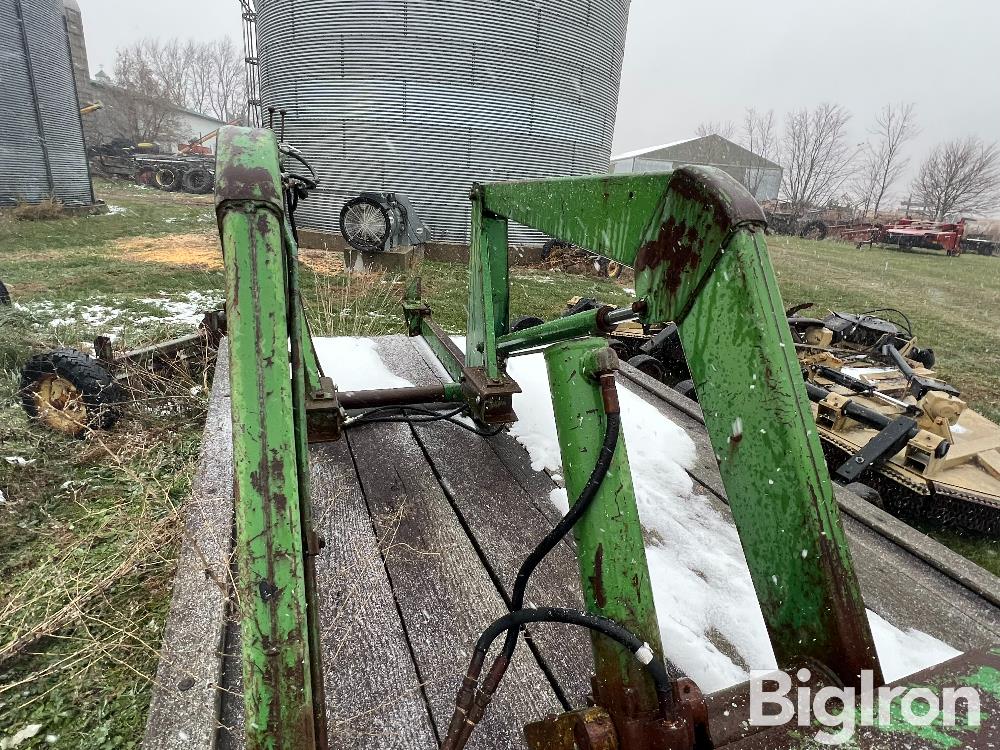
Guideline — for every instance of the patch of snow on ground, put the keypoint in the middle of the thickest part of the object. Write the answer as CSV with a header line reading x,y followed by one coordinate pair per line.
x,y
701,583
902,653
111,315
354,364
186,308
115,210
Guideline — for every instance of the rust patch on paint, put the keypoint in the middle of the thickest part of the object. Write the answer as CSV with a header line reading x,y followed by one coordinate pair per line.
x,y
597,580
677,247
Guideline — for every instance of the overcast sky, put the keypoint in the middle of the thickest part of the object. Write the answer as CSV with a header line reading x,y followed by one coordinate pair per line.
x,y
689,62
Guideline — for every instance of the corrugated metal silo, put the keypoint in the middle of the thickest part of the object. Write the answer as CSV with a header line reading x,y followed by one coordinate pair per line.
x,y
426,96
41,139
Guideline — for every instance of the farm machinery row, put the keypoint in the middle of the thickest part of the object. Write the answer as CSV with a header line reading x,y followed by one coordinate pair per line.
x,y
891,430
189,173
950,237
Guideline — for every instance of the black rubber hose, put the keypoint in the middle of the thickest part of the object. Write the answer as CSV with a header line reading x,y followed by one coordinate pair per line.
x,y
514,620
604,459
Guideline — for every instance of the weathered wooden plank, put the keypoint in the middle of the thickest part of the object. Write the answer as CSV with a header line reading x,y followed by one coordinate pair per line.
x,y
374,697
507,525
445,596
183,710
899,585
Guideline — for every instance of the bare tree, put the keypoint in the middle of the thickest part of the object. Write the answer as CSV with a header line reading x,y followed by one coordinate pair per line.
x,y
883,161
157,77
227,94
815,155
143,109
760,138
960,177
725,129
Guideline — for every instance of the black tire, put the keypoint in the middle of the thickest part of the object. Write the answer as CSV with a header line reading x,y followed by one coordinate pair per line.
x,y
197,181
814,230
145,176
168,179
867,493
526,321
97,398
364,224
4,295
686,388
648,366
925,357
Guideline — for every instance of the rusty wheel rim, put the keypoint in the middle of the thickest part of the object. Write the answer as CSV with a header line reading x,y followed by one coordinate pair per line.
x,y
60,405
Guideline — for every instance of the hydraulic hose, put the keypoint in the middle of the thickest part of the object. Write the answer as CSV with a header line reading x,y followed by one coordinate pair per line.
x,y
471,703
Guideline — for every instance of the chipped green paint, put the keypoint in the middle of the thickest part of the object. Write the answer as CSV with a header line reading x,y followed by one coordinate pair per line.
x,y
743,362
695,239
985,678
268,445
609,544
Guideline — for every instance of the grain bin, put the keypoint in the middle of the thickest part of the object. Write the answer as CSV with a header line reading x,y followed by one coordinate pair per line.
x,y
41,142
426,96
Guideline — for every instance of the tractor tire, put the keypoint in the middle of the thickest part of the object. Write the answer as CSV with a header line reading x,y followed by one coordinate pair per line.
x,y
197,181
4,295
146,176
526,321
869,494
814,230
686,388
648,366
925,357
69,392
168,179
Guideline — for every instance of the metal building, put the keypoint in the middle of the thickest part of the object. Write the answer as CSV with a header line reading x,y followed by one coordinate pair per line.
x,y
41,139
426,96
761,176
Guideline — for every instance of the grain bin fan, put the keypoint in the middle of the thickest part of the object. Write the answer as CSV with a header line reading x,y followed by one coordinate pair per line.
x,y
373,222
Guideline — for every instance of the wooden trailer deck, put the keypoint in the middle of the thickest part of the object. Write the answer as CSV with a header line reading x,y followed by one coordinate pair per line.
x,y
425,526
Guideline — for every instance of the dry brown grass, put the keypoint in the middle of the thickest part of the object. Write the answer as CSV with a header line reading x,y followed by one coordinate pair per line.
x,y
50,208
356,304
204,252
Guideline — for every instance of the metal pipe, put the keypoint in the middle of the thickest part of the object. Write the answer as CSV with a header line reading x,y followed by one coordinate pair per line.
x,y
587,323
609,544
427,394
870,418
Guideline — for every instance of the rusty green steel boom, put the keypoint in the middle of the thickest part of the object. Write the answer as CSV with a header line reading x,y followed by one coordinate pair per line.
x,y
695,238
281,678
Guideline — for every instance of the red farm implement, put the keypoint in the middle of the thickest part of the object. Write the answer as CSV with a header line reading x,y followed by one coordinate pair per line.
x,y
905,233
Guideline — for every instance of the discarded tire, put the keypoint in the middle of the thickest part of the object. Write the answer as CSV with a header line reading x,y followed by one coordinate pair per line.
x,y
647,365
69,392
146,176
527,321
197,181
4,295
814,230
686,388
168,178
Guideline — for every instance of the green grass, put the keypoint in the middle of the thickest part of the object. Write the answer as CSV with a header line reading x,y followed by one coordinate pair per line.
x,y
953,303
